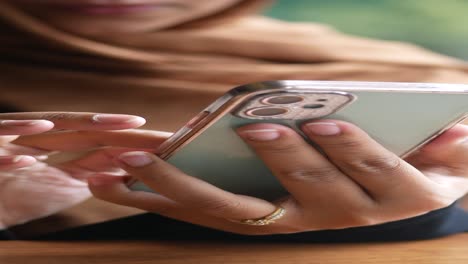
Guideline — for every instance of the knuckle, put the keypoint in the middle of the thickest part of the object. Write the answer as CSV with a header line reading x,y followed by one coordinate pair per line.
x,y
312,174
57,116
373,164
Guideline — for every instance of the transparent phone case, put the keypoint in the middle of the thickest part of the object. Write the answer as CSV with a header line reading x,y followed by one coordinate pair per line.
x,y
400,116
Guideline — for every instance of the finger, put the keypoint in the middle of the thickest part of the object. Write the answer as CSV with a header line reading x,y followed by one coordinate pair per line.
x,y
4,140
99,161
83,140
13,149
378,170
15,162
114,189
24,127
191,192
449,150
302,170
80,121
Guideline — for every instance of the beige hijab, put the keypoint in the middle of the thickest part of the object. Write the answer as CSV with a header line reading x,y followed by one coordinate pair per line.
x,y
169,75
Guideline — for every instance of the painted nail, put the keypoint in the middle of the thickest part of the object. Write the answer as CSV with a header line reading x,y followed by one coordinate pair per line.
x,y
42,157
116,119
136,159
261,134
323,128
16,123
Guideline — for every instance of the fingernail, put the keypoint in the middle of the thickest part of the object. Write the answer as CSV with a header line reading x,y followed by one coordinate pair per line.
x,y
115,119
260,135
17,159
42,157
323,128
20,122
136,159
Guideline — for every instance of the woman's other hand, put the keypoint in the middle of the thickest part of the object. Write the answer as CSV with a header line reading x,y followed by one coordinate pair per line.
x,y
30,187
359,183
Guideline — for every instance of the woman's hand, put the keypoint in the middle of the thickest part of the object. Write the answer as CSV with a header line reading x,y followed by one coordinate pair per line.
x,y
31,187
360,183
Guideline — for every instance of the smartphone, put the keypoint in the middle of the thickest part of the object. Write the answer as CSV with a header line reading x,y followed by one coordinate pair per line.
x,y
400,116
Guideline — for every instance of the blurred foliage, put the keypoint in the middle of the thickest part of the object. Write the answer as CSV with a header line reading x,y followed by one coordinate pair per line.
x,y
440,25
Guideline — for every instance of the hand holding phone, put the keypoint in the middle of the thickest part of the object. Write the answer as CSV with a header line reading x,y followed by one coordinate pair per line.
x,y
346,179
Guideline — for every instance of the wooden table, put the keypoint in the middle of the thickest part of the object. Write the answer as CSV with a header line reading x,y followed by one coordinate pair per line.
x,y
453,250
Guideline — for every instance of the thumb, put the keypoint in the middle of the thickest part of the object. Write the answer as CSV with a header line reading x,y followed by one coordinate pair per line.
x,y
448,150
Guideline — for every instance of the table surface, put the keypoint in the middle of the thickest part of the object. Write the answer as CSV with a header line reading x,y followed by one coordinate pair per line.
x,y
453,250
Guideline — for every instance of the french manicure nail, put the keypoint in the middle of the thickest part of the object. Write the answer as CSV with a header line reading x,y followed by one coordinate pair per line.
x,y
261,134
136,159
116,119
17,159
323,128
42,157
20,122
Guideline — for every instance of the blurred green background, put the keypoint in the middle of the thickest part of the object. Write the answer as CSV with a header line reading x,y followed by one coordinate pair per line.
x,y
440,25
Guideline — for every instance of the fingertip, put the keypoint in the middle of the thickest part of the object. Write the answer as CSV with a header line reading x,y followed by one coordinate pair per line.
x,y
45,124
109,188
41,125
118,121
25,127
25,160
16,162
139,121
135,121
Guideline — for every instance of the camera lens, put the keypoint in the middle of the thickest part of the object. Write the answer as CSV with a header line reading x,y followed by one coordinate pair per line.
x,y
284,99
267,111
